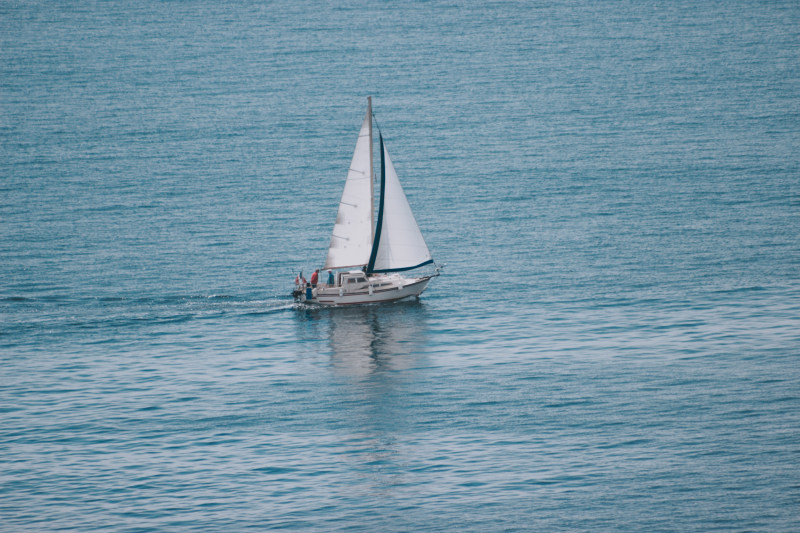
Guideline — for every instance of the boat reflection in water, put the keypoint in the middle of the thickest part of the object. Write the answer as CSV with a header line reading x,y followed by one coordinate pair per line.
x,y
369,339
372,339
379,377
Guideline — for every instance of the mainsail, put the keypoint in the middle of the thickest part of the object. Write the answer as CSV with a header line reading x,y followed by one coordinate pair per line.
x,y
399,244
351,240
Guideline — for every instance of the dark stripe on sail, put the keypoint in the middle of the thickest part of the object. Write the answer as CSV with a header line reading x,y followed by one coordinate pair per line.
x,y
377,241
428,262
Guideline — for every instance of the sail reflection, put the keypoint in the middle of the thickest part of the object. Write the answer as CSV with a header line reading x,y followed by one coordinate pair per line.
x,y
376,357
369,339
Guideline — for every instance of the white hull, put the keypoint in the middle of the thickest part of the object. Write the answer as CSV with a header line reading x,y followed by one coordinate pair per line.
x,y
379,289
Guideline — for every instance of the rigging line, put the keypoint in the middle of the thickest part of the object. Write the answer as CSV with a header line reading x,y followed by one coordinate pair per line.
x,y
377,124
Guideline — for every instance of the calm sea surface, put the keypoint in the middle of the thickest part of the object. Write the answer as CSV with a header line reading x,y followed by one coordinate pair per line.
x,y
614,344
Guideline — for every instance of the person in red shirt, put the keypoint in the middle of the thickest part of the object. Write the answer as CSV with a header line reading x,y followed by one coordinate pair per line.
x,y
314,278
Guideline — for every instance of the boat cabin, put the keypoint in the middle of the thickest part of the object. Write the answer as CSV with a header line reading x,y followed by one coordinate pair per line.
x,y
352,279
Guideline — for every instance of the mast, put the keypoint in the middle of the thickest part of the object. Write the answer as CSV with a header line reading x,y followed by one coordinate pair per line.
x,y
371,175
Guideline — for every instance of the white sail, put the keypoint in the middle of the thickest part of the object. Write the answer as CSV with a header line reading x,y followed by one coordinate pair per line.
x,y
351,240
400,243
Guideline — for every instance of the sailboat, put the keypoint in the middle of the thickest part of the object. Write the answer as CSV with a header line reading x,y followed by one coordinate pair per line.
x,y
367,256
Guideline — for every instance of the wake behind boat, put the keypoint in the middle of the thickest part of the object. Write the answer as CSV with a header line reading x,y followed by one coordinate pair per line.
x,y
366,256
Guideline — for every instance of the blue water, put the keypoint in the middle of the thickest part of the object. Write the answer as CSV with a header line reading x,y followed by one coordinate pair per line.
x,y
614,344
